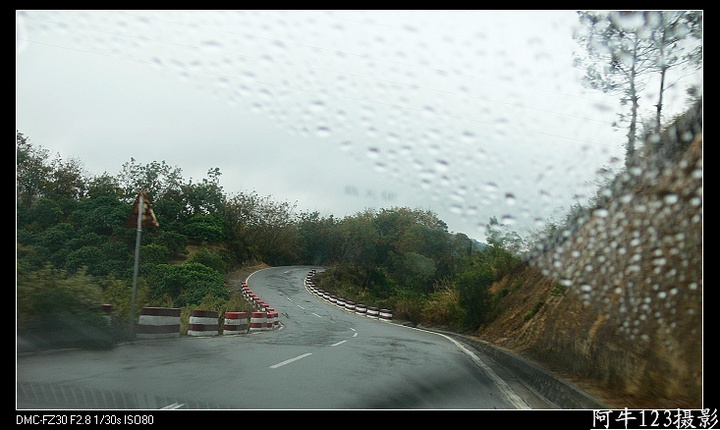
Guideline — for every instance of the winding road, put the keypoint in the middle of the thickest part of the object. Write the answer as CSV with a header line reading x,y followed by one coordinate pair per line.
x,y
321,357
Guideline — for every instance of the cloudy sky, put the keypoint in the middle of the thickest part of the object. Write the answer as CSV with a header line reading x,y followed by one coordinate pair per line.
x,y
471,114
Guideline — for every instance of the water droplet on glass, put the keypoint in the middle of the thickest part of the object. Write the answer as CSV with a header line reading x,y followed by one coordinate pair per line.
x,y
323,131
671,199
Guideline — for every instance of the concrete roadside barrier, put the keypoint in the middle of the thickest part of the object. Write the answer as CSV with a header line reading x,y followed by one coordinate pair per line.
x,y
258,321
203,323
271,317
107,309
158,323
385,315
373,312
361,309
235,323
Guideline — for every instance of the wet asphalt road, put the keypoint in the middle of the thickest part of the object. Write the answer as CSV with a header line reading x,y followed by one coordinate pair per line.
x,y
321,357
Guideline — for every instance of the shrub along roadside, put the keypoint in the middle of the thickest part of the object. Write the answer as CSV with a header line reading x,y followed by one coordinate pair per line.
x,y
462,300
184,284
57,310
60,310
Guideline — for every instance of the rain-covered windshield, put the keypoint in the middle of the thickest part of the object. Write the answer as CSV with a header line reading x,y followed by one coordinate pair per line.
x,y
567,142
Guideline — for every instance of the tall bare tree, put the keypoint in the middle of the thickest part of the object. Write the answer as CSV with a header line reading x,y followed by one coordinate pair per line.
x,y
676,38
617,62
625,49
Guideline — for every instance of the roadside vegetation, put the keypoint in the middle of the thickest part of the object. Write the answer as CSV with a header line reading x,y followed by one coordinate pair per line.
x,y
75,246
76,241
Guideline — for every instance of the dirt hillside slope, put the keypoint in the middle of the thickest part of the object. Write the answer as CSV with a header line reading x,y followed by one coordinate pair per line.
x,y
617,307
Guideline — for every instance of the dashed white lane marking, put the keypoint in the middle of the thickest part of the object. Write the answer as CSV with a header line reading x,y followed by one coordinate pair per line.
x,y
339,343
290,360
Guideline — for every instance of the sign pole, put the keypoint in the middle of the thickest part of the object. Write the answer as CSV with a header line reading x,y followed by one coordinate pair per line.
x,y
141,208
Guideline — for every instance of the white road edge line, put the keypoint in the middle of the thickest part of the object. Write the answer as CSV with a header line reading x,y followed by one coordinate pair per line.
x,y
288,361
516,400
247,280
501,384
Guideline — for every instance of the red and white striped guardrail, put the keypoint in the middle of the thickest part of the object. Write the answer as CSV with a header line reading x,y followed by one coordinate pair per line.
x,y
158,323
235,323
258,321
383,314
265,317
203,323
107,310
272,318
373,312
361,309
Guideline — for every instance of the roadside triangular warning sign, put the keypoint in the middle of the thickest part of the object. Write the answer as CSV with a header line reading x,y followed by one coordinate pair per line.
x,y
148,216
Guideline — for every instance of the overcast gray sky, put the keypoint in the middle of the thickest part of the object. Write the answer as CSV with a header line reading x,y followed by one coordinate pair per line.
x,y
471,114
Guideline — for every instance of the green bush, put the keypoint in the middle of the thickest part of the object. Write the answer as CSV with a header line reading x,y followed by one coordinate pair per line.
x,y
473,288
57,310
205,228
85,256
408,305
185,284
500,294
531,313
175,242
154,253
118,293
212,258
442,306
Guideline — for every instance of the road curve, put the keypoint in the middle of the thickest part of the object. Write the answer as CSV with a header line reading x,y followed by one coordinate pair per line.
x,y
320,357
369,363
